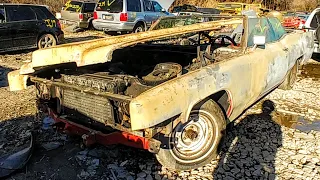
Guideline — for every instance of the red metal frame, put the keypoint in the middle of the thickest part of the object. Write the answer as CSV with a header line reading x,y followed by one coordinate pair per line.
x,y
91,136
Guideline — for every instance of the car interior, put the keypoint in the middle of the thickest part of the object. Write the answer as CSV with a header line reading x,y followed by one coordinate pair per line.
x,y
2,17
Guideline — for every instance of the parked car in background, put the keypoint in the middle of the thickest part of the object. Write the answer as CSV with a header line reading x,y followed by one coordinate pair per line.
x,y
186,8
78,13
127,15
237,8
294,22
28,26
312,24
209,10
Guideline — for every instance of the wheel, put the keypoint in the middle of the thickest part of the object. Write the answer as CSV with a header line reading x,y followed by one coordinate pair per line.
x,y
138,28
194,143
317,34
46,40
290,78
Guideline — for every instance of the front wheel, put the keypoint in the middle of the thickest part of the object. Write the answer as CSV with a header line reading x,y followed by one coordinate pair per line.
x,y
46,40
194,143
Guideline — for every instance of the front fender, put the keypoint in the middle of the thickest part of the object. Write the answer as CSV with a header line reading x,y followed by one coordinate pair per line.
x,y
177,96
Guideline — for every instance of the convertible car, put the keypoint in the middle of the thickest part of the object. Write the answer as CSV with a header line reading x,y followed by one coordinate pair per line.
x,y
171,90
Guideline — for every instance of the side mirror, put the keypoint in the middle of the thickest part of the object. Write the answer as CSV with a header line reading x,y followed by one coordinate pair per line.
x,y
259,40
163,10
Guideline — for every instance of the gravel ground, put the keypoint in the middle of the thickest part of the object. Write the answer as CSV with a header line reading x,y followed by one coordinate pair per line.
x,y
278,139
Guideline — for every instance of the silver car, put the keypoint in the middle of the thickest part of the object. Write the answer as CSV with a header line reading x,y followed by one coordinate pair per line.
x,y
127,15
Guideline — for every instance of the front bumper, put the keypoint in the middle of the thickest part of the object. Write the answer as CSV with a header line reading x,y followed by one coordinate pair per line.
x,y
112,26
91,136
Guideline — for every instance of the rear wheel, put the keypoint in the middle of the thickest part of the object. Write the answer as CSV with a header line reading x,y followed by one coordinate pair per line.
x,y
46,40
290,78
194,143
317,34
138,28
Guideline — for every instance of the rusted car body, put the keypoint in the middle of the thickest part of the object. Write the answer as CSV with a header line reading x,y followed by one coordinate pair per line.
x,y
176,95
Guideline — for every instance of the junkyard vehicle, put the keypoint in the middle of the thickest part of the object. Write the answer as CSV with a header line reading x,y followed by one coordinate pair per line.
x,y
184,8
79,13
127,15
312,25
208,10
27,26
293,22
150,91
189,10
303,16
237,8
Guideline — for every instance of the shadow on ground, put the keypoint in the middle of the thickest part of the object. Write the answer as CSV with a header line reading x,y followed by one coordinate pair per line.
x,y
3,76
78,39
250,147
311,71
23,51
316,57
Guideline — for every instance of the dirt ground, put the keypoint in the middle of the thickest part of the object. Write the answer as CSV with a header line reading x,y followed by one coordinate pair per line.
x,y
69,160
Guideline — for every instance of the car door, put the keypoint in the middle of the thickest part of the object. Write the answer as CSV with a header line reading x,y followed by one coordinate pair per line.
x,y
134,11
24,28
159,11
271,61
149,14
5,33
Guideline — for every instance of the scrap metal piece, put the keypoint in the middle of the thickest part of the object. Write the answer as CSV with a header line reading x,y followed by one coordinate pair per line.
x,y
17,81
16,161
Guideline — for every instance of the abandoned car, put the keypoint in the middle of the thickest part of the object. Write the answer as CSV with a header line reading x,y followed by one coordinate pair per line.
x,y
157,91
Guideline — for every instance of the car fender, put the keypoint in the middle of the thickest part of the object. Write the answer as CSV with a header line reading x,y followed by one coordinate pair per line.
x,y
177,96
141,20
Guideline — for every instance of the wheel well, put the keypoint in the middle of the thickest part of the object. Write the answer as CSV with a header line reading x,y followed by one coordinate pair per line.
x,y
43,33
90,23
223,99
142,23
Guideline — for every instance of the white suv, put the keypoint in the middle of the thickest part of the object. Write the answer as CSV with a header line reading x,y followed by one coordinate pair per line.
x,y
313,24
127,15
